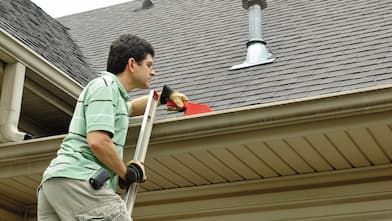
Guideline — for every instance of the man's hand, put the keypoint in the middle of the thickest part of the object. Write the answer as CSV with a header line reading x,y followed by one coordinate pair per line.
x,y
175,96
179,100
135,173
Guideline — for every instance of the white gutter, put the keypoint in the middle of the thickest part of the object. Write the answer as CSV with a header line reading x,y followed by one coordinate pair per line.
x,y
25,55
296,111
11,102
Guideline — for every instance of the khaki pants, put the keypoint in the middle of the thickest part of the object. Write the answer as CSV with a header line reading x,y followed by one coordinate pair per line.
x,y
75,200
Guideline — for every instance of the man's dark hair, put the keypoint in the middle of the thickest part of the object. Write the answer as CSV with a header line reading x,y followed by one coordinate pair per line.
x,y
125,47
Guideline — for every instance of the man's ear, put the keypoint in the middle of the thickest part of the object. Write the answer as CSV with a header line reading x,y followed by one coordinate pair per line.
x,y
131,64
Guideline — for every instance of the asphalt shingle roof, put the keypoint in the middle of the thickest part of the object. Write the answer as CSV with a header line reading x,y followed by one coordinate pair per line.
x,y
321,46
46,36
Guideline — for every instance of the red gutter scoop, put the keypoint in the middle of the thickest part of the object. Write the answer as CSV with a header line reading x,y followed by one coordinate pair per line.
x,y
192,108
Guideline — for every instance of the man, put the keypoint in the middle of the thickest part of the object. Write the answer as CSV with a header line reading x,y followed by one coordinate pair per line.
x,y
96,139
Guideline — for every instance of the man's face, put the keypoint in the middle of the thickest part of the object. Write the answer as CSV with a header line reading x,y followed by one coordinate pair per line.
x,y
144,72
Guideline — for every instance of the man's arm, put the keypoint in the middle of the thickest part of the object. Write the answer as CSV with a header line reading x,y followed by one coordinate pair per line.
x,y
103,148
138,106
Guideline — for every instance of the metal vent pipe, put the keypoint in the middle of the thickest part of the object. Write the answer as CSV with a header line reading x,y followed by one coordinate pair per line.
x,y
257,52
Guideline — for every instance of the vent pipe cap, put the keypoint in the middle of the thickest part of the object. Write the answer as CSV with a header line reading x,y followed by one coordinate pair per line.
x,y
247,3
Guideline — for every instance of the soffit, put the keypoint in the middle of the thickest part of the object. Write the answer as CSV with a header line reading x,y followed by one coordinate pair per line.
x,y
44,107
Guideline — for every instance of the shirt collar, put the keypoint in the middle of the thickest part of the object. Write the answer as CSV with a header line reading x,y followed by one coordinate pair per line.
x,y
121,88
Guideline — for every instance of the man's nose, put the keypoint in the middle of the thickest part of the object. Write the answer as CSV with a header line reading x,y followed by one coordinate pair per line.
x,y
152,73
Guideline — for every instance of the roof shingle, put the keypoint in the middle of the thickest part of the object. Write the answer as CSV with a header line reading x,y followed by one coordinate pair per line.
x,y
46,36
321,46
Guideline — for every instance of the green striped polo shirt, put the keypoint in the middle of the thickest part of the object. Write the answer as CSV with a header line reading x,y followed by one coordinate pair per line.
x,y
102,105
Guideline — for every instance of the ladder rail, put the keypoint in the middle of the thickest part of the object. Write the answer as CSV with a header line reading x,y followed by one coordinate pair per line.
x,y
142,144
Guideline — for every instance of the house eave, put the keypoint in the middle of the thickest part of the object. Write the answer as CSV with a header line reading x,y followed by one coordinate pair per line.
x,y
232,121
16,50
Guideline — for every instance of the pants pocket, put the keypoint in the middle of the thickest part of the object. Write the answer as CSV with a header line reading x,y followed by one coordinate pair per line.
x,y
108,212
93,214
